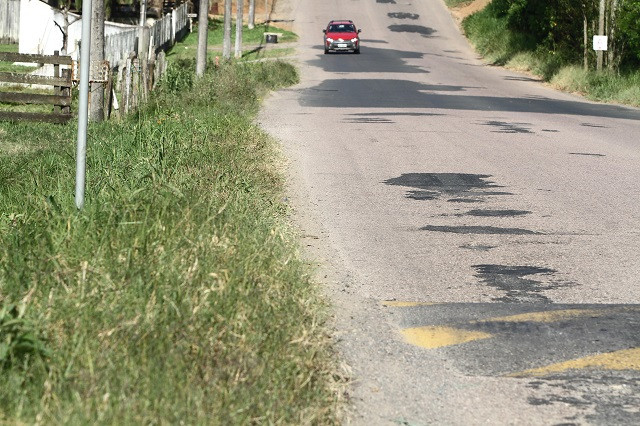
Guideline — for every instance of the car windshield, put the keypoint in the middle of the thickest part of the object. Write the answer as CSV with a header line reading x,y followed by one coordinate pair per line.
x,y
342,28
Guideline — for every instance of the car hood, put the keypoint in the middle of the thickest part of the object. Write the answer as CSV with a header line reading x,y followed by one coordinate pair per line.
x,y
344,36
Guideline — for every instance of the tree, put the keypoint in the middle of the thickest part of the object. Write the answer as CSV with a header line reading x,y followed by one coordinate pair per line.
x,y
226,41
203,24
96,100
239,21
252,14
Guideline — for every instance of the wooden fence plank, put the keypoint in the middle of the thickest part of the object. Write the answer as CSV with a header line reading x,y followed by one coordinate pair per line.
x,y
32,98
38,59
34,116
13,77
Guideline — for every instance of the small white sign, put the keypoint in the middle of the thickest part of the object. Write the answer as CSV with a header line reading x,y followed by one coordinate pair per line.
x,y
599,42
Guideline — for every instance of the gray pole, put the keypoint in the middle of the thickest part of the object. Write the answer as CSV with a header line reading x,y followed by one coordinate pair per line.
x,y
226,41
239,19
600,32
266,11
252,14
83,111
203,23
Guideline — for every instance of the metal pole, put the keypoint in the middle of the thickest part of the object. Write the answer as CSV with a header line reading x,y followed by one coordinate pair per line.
x,y
266,11
143,12
599,53
83,110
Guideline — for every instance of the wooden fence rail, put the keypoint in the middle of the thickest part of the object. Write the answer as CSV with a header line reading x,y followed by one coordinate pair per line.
x,y
61,82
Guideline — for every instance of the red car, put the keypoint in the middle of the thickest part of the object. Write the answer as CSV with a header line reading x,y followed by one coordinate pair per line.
x,y
341,36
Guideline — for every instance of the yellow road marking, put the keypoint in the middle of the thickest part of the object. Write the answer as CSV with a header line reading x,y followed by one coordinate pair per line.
x,y
626,359
400,304
432,337
559,315
548,316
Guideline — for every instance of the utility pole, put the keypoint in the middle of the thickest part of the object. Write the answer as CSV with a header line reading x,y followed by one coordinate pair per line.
x,y
226,41
239,19
96,101
600,33
252,14
203,24
266,11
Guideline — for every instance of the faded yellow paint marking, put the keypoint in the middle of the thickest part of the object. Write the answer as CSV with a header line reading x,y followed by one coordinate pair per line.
x,y
548,316
559,315
626,359
432,337
400,304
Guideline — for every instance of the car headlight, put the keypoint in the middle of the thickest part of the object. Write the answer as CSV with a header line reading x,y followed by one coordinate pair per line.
x,y
330,40
353,40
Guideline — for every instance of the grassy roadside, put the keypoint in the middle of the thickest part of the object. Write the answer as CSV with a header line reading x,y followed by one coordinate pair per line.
x,y
177,295
499,45
187,48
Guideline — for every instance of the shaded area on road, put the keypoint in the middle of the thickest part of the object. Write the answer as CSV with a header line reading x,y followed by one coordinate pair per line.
x,y
373,59
389,93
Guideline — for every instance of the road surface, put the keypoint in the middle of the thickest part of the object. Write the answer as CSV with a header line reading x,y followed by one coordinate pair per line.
x,y
477,231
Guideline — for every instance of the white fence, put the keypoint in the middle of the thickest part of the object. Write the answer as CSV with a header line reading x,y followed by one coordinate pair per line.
x,y
40,32
9,21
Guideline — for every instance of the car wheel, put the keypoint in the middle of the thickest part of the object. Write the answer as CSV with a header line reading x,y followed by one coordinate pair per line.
x,y
326,51
357,51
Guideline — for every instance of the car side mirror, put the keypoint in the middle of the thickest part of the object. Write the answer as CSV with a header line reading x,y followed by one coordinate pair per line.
x,y
359,31
324,31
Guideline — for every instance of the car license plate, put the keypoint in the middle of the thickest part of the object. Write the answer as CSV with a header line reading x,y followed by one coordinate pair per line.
x,y
342,44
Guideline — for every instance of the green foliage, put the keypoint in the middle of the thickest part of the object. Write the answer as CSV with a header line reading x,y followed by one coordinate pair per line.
x,y
629,30
19,339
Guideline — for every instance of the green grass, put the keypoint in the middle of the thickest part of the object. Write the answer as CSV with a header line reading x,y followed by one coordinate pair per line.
x,y
254,36
500,46
177,295
457,3
9,66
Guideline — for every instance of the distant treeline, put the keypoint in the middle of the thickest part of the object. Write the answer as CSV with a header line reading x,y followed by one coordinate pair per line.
x,y
566,27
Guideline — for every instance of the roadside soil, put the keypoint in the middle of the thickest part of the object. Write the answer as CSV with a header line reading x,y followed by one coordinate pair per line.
x,y
461,12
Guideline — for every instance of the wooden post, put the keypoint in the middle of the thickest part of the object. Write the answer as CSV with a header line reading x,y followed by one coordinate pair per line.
x,y
57,90
66,91
109,95
127,85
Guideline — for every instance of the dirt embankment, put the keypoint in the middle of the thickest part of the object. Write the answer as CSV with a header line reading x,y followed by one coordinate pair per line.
x,y
462,12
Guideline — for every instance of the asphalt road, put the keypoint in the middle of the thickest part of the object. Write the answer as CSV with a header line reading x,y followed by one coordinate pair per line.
x,y
476,230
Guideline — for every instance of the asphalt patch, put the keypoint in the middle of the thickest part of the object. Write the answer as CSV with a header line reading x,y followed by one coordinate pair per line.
x,y
368,120
415,29
462,187
508,340
516,283
610,398
403,15
488,230
497,213
597,126
477,247
587,154
505,127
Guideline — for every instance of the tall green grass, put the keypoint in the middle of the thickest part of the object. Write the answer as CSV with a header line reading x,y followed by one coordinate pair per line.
x,y
500,45
177,294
